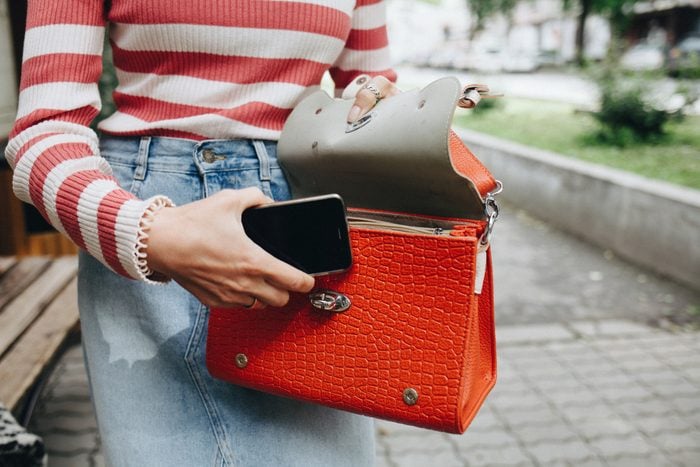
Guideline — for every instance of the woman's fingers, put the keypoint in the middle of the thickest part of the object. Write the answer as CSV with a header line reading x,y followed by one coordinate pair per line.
x,y
369,94
289,278
202,245
267,294
250,197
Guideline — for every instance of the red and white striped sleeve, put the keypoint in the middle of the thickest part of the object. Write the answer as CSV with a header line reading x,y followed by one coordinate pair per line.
x,y
366,48
52,150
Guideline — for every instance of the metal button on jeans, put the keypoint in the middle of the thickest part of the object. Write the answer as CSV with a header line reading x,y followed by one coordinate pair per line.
x,y
210,156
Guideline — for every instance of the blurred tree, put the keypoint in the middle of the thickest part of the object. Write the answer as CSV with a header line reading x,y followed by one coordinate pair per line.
x,y
481,10
616,11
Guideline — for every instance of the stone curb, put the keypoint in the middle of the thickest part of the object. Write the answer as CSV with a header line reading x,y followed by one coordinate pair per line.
x,y
534,334
651,223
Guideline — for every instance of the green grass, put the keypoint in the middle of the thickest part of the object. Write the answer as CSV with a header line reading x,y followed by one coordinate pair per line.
x,y
558,127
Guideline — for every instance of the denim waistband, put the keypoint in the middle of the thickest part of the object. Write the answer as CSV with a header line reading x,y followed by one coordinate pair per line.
x,y
189,156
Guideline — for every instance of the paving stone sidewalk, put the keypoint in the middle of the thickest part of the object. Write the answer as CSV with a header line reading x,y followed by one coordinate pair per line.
x,y
609,392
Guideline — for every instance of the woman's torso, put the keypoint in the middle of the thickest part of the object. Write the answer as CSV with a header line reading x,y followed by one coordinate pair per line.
x,y
228,69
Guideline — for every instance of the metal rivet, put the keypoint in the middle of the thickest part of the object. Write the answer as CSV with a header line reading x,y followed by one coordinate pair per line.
x,y
318,111
361,80
241,360
410,396
421,104
314,144
208,155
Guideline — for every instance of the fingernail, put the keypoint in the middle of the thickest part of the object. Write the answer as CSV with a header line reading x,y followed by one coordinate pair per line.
x,y
354,113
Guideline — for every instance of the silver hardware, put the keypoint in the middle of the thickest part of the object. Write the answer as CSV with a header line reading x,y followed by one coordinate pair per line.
x,y
241,360
491,211
371,87
356,125
410,396
472,95
329,300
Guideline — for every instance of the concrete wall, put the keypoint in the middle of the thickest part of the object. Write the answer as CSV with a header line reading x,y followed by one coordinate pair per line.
x,y
651,223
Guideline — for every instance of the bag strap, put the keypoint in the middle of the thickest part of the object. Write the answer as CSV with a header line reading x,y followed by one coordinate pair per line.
x,y
467,165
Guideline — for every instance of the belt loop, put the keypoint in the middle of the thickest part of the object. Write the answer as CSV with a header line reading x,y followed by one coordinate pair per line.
x,y
263,159
142,158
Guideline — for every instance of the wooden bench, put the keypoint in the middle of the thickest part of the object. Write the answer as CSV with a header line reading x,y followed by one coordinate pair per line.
x,y
38,318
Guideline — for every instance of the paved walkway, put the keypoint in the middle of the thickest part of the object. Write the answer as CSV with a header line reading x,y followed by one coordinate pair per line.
x,y
594,393
598,365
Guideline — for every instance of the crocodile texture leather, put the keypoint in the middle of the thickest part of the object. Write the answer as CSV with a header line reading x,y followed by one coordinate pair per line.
x,y
414,323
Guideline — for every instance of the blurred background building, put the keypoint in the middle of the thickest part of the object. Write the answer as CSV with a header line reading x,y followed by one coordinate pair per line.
x,y
522,36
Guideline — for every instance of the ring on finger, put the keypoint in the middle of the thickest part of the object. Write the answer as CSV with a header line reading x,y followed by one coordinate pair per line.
x,y
255,301
371,87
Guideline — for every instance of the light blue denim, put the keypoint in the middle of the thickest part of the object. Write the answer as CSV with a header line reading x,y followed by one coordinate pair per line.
x,y
144,345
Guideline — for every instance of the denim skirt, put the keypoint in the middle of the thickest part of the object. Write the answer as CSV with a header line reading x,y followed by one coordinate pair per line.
x,y
144,345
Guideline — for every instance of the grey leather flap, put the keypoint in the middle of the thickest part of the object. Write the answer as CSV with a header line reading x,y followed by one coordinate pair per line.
x,y
397,161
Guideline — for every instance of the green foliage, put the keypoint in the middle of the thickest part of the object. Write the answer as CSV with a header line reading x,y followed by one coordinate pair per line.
x,y
689,69
484,9
564,129
106,85
615,10
625,117
618,12
487,105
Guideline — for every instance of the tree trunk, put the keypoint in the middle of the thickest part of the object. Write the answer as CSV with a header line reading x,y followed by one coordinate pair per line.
x,y
581,31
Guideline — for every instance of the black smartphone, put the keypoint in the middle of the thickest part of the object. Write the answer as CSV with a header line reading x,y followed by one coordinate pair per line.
x,y
311,234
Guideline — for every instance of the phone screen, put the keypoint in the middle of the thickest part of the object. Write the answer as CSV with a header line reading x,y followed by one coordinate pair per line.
x,y
311,234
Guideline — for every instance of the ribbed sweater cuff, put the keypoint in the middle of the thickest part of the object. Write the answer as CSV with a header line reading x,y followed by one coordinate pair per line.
x,y
131,233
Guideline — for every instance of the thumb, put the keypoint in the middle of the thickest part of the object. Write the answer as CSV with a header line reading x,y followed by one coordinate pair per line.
x,y
250,197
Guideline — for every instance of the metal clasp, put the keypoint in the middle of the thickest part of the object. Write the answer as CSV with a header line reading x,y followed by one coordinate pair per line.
x,y
472,95
329,300
491,211
359,123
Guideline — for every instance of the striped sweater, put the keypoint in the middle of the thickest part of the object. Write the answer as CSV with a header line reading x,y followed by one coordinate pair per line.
x,y
195,69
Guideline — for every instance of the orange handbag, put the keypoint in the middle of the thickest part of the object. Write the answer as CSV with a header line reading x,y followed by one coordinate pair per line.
x,y
407,333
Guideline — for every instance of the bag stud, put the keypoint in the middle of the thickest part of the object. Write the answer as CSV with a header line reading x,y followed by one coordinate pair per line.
x,y
241,360
410,396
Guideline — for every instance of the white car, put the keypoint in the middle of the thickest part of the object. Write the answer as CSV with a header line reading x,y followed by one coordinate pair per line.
x,y
483,60
519,62
643,57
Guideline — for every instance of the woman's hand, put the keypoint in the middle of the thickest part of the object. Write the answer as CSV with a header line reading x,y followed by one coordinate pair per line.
x,y
369,93
203,247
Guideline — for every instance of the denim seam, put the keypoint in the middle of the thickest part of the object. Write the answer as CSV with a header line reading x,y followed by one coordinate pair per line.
x,y
157,169
112,163
263,159
141,166
209,404
142,158
265,169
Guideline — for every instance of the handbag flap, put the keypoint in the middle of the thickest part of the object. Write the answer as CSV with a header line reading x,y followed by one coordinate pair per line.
x,y
402,156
